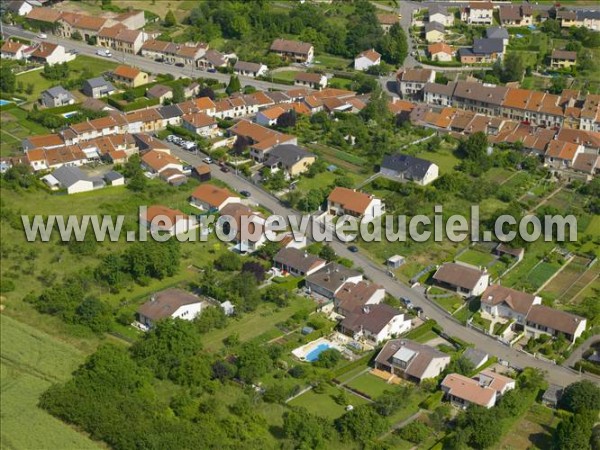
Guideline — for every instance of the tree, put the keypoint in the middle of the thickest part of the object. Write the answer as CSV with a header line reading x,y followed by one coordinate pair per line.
x,y
439,417
361,424
234,85
228,262
473,148
8,80
327,253
394,46
170,20
482,424
256,269
581,396
29,89
178,94
558,84
240,145
415,432
377,108
76,35
514,68
277,294
94,314
551,27
206,92
253,362
461,365
328,358
287,119
574,432
305,429
392,401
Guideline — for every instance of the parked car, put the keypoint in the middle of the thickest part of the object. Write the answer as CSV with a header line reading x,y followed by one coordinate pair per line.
x,y
406,302
42,36
212,70
418,310
225,169
353,248
180,64
208,160
245,194
171,138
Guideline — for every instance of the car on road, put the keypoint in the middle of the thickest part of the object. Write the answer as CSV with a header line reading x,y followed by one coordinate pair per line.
x,y
105,53
407,302
42,36
353,248
225,169
245,194
208,160
171,138
212,70
180,64
418,310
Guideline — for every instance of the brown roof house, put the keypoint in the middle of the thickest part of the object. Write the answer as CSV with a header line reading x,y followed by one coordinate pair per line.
x,y
465,280
545,320
357,295
366,59
250,227
293,50
173,303
463,391
502,301
208,196
297,262
327,281
311,80
411,360
344,201
374,323
161,218
410,82
129,76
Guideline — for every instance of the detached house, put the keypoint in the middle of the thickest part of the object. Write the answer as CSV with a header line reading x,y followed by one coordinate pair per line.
x,y
212,60
170,303
483,51
545,320
129,76
57,96
327,281
297,262
434,32
161,218
19,7
121,39
478,13
357,295
97,87
367,59
209,197
387,21
441,52
250,226
515,15
344,201
502,301
156,161
563,59
13,50
464,391
249,69
295,51
560,154
440,14
412,81
47,53
311,80
467,281
290,158
410,168
411,360
374,323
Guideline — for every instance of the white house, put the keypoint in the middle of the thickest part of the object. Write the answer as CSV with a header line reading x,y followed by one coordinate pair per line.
x,y
156,161
161,218
410,168
464,391
467,281
13,50
297,262
73,179
500,383
209,196
249,69
412,81
478,13
173,303
545,320
19,7
440,14
367,59
374,323
56,96
250,226
311,80
344,201
48,53
200,123
327,281
501,301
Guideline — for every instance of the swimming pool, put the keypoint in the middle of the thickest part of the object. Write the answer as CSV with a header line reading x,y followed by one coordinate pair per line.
x,y
313,355
4,102
69,114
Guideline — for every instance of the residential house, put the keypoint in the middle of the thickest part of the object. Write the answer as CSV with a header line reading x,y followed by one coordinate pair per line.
x,y
560,154
579,18
478,13
114,178
438,94
73,179
412,81
563,59
43,18
507,303
13,50
160,218
590,113
343,201
374,323
484,99
366,59
161,92
477,357
465,280
56,96
170,303
97,87
434,32
498,382
387,21
134,19
200,124
201,172
53,158
439,13
19,7
121,39
545,320
129,76
209,197
498,33
407,167
587,164
515,15
411,360
156,162
311,80
86,26
171,114
212,60
144,120
464,391
353,296
169,52
297,262
268,117
249,69
441,52
327,281
43,141
484,51
296,51
48,53
290,158
261,139
249,226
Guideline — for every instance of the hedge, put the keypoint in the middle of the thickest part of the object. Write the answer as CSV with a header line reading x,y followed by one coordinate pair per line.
x,y
353,365
138,104
63,109
587,366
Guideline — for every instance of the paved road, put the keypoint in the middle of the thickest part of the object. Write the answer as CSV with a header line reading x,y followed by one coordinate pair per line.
x,y
144,64
577,354
377,273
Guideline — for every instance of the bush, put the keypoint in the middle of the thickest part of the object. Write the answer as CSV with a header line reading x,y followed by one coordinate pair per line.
x,y
415,432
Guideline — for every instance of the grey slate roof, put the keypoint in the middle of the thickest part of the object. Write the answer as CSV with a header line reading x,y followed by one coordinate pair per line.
x,y
332,276
169,112
99,82
112,176
410,166
487,46
477,357
67,176
247,66
429,26
441,89
286,154
496,33
437,9
59,91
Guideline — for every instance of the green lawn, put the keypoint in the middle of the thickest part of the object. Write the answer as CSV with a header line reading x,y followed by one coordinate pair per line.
x,y
370,384
475,258
533,431
332,62
541,273
14,128
31,362
450,304
443,158
324,404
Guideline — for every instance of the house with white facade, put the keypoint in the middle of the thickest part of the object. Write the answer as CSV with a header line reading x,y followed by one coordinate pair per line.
x,y
503,302
327,281
366,59
410,82
478,13
161,218
210,197
170,303
464,391
249,69
374,323
409,168
465,280
297,262
344,201
545,320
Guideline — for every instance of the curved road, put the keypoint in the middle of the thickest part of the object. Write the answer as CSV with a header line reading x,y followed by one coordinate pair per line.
x,y
376,272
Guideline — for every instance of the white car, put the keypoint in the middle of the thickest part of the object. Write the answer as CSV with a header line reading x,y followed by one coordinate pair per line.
x,y
208,160
42,36
105,53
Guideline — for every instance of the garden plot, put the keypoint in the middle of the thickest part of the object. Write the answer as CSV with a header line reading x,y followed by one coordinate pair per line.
x,y
567,279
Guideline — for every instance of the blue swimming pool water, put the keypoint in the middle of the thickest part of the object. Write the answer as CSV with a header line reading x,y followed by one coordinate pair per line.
x,y
69,114
4,102
313,355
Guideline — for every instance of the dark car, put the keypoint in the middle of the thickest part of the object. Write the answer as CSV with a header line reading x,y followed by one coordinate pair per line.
x,y
212,70
353,248
225,169
180,64
245,194
418,310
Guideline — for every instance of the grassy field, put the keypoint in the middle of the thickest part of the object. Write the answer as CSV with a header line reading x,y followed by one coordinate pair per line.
x,y
566,279
324,404
14,128
31,362
450,304
533,431
94,66
444,158
370,384
476,258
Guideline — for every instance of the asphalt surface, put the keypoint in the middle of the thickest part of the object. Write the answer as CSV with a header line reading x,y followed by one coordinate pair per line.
x,y
377,273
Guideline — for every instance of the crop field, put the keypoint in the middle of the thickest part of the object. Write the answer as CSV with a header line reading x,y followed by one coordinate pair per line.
x,y
31,362
567,279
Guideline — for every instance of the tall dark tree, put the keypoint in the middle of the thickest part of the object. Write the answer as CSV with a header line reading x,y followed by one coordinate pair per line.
x,y
234,85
